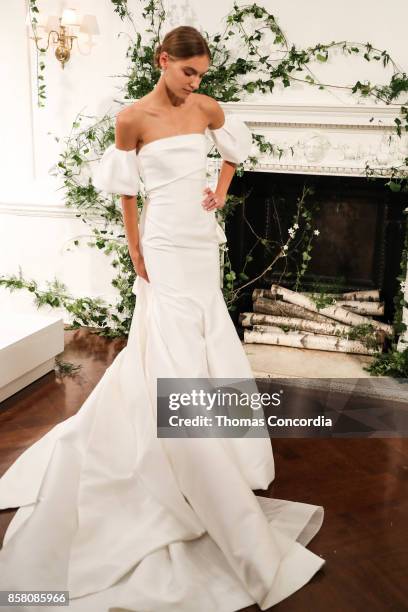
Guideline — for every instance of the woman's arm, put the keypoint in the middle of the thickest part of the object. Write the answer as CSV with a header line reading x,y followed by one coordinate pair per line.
x,y
126,139
224,179
216,199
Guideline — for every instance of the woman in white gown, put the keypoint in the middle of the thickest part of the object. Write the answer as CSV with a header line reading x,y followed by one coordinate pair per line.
x,y
123,520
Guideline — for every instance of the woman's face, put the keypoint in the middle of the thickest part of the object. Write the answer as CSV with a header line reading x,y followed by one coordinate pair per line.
x,y
183,76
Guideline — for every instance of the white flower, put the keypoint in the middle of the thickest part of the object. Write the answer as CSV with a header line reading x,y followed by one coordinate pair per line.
x,y
291,232
316,232
403,285
296,226
285,247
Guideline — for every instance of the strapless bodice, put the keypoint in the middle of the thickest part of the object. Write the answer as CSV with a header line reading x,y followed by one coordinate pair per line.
x,y
173,171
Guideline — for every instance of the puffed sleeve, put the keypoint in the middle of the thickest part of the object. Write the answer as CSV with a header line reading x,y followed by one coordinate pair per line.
x,y
233,139
117,172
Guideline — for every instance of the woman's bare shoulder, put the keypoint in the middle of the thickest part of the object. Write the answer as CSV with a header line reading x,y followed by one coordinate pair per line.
x,y
131,112
129,121
127,128
212,110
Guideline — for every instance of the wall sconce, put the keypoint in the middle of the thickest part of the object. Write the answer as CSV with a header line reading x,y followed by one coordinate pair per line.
x,y
62,31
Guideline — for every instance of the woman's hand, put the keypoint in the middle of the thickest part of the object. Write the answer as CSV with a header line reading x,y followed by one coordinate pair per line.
x,y
213,200
139,266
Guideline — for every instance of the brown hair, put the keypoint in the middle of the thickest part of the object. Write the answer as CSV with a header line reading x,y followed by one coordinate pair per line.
x,y
182,42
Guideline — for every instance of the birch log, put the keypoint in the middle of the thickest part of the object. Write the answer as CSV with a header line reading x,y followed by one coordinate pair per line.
x,y
275,328
372,295
333,312
264,293
377,337
279,307
374,309
328,328
308,341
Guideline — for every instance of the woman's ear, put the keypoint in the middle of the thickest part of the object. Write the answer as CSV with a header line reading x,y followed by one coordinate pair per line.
x,y
163,60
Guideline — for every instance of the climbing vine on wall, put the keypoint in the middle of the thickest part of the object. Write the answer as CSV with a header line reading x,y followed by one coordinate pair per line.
x,y
33,12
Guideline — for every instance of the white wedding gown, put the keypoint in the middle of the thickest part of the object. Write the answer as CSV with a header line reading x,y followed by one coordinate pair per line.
x,y
127,521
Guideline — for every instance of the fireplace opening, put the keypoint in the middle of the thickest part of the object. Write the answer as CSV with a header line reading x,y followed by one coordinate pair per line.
x,y
361,227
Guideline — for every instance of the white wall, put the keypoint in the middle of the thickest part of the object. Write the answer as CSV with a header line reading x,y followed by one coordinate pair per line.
x,y
16,150
34,237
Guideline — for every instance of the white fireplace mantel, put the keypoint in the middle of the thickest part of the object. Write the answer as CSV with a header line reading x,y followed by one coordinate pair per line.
x,y
330,140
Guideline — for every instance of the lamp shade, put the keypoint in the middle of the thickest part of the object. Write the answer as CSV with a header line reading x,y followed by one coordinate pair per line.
x,y
69,17
89,25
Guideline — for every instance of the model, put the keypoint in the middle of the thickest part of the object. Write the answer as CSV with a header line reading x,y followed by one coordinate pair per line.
x,y
122,519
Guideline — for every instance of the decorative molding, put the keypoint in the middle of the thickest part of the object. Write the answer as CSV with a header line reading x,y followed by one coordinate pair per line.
x,y
329,140
38,210
314,115
214,167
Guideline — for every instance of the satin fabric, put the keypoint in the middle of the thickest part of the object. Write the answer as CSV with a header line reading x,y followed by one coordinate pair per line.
x,y
129,522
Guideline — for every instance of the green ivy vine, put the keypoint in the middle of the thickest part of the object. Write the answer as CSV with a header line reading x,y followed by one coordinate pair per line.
x,y
40,55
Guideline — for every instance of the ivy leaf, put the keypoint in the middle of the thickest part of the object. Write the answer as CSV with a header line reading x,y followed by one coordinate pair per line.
x,y
395,187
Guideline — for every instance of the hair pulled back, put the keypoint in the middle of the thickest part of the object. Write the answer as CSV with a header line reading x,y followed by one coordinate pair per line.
x,y
182,42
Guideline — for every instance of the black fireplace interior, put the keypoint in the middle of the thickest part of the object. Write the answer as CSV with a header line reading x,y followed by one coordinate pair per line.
x,y
361,224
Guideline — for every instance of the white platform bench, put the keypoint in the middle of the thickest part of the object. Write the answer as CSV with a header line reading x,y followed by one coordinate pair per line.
x,y
28,346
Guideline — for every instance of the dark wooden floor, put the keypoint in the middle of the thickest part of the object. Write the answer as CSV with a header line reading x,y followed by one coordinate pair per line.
x,y
362,484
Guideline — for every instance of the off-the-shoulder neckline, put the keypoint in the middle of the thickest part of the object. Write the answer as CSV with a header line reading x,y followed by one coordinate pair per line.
x,y
152,142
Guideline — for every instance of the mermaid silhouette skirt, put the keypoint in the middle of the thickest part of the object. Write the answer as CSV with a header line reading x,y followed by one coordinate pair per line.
x,y
126,521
